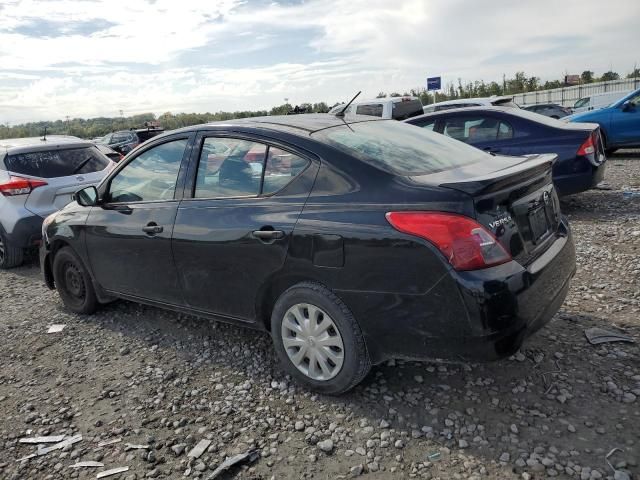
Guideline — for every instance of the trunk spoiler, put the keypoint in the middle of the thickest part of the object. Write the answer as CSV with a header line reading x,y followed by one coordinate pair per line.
x,y
530,169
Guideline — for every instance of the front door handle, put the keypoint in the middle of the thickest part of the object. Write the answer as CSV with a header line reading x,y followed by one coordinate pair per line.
x,y
267,235
152,229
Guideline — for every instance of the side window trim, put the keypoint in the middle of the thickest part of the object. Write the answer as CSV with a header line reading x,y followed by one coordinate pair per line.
x,y
194,161
103,188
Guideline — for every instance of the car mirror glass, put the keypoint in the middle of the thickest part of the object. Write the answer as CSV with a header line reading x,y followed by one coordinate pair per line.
x,y
87,197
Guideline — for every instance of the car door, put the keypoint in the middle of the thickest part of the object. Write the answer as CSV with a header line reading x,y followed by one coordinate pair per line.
x,y
624,126
234,226
128,236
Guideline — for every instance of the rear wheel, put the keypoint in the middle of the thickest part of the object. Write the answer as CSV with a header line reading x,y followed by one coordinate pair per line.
x,y
317,339
10,255
73,282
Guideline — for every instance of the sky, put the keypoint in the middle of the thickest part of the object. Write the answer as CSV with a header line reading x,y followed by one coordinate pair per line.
x,y
88,58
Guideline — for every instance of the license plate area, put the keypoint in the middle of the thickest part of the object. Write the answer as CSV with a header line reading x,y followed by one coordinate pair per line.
x,y
538,223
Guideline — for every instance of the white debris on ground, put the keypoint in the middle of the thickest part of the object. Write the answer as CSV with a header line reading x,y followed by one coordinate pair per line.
x,y
199,394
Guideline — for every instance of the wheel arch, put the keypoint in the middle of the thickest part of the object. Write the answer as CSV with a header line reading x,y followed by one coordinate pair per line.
x,y
272,289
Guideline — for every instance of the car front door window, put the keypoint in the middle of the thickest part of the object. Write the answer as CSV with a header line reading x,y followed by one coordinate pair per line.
x,y
149,177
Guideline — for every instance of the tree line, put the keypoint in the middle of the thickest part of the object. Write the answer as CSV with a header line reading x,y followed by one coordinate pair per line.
x,y
97,127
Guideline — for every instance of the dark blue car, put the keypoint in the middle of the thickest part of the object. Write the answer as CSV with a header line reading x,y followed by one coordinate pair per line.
x,y
510,131
619,122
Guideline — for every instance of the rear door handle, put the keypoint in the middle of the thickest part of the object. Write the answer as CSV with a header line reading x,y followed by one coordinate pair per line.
x,y
266,235
152,229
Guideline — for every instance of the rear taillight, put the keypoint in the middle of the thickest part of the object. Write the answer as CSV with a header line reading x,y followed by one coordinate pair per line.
x,y
588,147
466,244
19,186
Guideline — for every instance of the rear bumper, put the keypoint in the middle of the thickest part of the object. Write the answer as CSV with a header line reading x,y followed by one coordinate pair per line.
x,y
481,315
579,182
27,232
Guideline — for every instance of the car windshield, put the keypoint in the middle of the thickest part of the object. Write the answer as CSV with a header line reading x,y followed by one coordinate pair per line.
x,y
400,148
581,103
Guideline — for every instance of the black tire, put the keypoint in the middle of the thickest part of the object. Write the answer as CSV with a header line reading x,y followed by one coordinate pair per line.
x,y
356,362
10,255
73,282
607,150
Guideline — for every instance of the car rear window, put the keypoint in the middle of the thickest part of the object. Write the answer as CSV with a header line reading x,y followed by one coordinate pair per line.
x,y
373,109
400,148
507,103
57,163
406,109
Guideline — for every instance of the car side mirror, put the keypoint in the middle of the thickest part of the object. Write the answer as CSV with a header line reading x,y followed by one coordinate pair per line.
x,y
87,197
627,106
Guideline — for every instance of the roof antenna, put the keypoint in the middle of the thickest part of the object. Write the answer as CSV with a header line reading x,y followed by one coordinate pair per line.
x,y
44,137
341,112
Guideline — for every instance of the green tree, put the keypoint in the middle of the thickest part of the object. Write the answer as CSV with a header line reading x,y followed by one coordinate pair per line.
x,y
587,76
381,95
608,76
635,73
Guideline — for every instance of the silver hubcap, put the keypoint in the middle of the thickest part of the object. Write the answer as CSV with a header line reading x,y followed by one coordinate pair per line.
x,y
312,341
1,250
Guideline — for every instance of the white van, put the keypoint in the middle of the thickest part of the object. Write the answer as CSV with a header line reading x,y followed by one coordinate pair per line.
x,y
597,101
397,108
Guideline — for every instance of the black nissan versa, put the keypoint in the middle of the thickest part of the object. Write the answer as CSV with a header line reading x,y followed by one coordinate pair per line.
x,y
350,242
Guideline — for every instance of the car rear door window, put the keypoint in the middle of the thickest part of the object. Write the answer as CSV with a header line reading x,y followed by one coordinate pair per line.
x,y
373,109
475,129
150,176
281,168
57,163
427,125
229,167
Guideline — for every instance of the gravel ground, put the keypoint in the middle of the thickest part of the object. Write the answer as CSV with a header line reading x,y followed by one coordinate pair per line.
x,y
166,381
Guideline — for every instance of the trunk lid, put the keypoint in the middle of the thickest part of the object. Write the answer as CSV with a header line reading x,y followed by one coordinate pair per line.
x,y
514,199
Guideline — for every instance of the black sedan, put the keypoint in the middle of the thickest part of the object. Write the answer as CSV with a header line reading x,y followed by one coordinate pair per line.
x,y
350,242
510,131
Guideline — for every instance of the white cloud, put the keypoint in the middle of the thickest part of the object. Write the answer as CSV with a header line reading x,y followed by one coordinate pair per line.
x,y
135,61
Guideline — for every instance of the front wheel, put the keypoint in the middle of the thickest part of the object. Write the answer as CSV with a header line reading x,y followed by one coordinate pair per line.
x,y
317,339
73,282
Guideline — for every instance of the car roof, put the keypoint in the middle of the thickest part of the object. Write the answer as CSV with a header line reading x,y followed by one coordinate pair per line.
x,y
481,108
513,112
541,105
31,144
483,100
303,124
403,98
